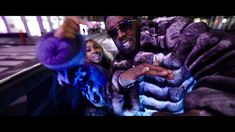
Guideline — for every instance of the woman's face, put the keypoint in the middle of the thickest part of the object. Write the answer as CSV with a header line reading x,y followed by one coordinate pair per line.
x,y
94,53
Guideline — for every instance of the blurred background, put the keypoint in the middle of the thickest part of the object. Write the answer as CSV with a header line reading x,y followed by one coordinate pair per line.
x,y
24,83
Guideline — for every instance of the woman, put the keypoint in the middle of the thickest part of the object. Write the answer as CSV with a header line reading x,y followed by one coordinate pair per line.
x,y
81,66
96,54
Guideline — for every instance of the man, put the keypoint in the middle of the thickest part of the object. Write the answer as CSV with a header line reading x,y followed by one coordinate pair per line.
x,y
190,50
133,75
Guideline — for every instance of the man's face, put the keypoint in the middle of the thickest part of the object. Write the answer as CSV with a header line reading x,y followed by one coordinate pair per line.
x,y
123,30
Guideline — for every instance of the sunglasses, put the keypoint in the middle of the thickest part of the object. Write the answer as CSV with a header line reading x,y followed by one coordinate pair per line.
x,y
123,26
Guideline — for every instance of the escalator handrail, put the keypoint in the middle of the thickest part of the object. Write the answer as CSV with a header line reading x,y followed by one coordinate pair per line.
x,y
9,87
11,77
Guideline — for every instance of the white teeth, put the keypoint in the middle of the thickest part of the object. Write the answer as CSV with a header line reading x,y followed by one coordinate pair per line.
x,y
126,44
96,56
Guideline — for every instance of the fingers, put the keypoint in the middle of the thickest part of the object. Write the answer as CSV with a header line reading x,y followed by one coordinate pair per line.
x,y
75,19
71,28
170,75
70,33
154,67
154,70
138,72
163,73
170,72
78,20
156,63
146,69
70,23
68,29
157,68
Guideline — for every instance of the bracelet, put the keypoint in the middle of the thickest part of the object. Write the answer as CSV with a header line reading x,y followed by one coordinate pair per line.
x,y
126,83
158,57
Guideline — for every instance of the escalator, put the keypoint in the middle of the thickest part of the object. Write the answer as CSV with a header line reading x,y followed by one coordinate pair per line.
x,y
28,93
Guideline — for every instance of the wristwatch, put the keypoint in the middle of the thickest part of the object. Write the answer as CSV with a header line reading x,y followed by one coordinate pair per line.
x,y
126,83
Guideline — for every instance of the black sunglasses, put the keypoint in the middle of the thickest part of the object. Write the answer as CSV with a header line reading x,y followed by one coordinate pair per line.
x,y
123,26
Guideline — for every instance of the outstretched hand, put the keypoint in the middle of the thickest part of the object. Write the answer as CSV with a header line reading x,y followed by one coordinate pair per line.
x,y
146,69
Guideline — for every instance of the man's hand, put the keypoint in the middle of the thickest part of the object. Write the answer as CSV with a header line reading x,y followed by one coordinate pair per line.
x,y
69,28
145,69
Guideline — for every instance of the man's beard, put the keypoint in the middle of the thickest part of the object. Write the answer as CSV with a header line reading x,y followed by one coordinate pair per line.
x,y
129,53
128,44
127,49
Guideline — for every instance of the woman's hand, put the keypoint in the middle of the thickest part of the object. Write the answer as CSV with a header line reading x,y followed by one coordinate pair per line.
x,y
69,28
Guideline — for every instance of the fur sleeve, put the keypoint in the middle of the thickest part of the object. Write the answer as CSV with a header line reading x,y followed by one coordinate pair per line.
x,y
60,54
